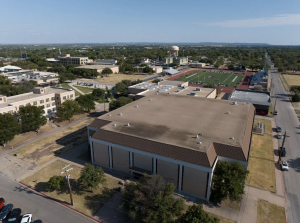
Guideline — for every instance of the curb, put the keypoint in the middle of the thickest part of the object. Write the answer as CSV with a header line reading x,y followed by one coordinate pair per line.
x,y
61,203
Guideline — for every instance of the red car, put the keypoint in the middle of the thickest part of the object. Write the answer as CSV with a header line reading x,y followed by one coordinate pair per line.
x,y
2,202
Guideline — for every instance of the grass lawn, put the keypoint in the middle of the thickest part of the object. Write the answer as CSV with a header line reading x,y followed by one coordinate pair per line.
x,y
85,90
115,78
233,205
45,149
292,79
85,201
284,83
271,114
65,85
269,213
229,79
261,162
25,136
222,220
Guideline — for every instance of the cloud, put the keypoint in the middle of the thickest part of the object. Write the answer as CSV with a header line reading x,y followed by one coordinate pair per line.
x,y
279,20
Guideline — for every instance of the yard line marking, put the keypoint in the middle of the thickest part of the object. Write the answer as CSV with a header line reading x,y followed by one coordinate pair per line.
x,y
227,79
234,78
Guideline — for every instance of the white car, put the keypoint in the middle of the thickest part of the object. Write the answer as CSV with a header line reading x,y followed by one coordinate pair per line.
x,y
284,165
279,136
26,218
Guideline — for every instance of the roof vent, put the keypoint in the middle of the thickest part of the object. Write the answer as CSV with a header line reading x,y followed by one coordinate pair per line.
x,y
196,136
150,99
232,138
169,92
128,124
136,106
228,112
109,114
114,124
235,103
120,114
199,143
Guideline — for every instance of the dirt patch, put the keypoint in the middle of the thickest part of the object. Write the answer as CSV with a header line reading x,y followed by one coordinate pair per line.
x,y
44,150
26,136
115,78
85,201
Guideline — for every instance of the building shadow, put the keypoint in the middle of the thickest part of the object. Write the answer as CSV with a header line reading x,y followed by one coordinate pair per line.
x,y
294,164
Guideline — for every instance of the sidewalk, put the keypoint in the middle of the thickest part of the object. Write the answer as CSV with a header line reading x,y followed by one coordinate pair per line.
x,y
72,85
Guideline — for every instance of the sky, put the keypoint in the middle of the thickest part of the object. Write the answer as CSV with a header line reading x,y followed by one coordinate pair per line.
x,y
107,21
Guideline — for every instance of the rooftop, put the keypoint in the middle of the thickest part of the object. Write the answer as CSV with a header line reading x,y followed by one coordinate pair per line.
x,y
31,95
96,66
9,67
175,120
254,97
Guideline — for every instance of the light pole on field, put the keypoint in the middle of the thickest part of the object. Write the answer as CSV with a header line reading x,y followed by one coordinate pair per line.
x,y
65,170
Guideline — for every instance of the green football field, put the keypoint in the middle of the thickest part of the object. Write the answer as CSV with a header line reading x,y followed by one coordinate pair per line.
x,y
228,79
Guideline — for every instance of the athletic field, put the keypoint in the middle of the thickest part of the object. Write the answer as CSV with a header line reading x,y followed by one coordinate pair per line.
x,y
226,78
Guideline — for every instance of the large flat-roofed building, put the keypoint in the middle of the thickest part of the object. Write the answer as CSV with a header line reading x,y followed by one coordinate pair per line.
x,y
260,99
48,97
99,68
178,137
73,60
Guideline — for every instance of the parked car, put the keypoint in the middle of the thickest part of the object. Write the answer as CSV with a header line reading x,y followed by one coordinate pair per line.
x,y
26,218
284,165
283,152
275,113
279,136
2,202
278,128
5,211
14,216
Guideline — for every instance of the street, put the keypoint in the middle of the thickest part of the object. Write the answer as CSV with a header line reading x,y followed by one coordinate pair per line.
x,y
40,207
288,120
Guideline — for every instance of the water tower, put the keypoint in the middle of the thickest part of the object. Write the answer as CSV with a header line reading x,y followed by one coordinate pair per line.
x,y
174,50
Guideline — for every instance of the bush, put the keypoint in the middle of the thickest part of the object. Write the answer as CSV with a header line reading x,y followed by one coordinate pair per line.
x,y
156,81
56,183
296,98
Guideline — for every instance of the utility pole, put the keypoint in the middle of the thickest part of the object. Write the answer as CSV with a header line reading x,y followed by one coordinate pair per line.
x,y
275,104
65,170
280,151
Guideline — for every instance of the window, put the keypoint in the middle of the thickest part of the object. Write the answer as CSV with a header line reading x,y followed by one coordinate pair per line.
x,y
48,105
47,100
41,101
49,110
53,109
68,96
35,103
42,106
27,104
21,106
71,96
53,98
64,97
53,104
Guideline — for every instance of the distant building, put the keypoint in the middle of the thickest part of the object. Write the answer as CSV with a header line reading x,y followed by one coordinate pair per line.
x,y
52,60
144,60
197,65
103,62
99,68
156,69
65,61
9,68
167,60
260,81
47,97
181,60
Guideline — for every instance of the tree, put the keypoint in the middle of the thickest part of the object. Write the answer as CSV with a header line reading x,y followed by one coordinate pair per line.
x,y
228,181
86,102
28,86
67,110
98,93
106,71
109,94
56,183
4,80
10,90
120,89
32,117
156,81
148,69
91,177
296,98
9,128
121,101
281,69
295,89
152,200
196,214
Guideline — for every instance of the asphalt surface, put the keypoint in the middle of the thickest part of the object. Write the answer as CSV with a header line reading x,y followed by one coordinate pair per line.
x,y
288,120
40,207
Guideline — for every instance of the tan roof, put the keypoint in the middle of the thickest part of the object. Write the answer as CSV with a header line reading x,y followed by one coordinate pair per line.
x,y
97,67
175,121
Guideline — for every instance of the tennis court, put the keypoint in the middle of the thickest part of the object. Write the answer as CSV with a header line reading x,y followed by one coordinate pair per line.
x,y
222,78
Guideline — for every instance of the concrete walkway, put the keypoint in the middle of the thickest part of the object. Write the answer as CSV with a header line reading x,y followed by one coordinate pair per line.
x,y
72,85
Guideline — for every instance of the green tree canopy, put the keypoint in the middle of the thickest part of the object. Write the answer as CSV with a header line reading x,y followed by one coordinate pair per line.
x,y
67,110
156,81
91,177
296,98
86,102
228,181
119,102
10,90
56,183
32,117
152,200
9,128
121,89
98,93
196,214
148,69
4,80
28,86
106,71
